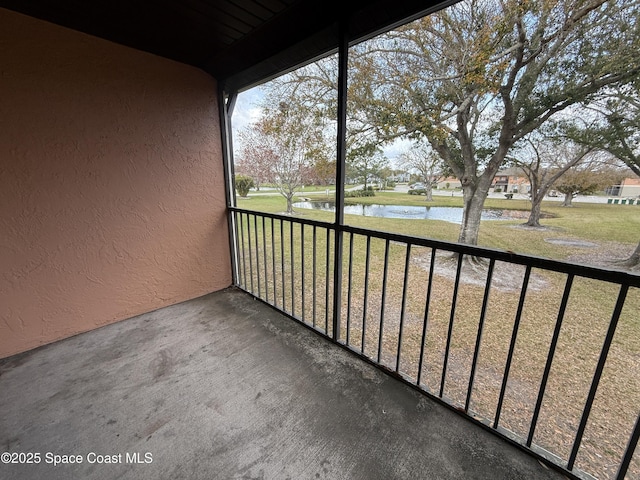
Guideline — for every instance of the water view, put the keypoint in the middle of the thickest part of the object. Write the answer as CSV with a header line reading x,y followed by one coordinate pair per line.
x,y
447,214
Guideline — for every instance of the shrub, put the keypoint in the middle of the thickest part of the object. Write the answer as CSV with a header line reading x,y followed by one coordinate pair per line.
x,y
360,193
243,185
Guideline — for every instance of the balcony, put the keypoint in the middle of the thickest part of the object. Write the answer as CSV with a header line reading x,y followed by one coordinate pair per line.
x,y
223,386
538,351
339,352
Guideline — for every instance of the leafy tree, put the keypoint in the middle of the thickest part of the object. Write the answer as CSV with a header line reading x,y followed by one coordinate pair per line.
x,y
294,137
478,77
323,171
615,128
297,128
613,125
366,161
243,184
583,181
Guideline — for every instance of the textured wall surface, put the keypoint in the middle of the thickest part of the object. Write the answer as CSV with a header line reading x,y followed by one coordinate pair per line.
x,y
111,183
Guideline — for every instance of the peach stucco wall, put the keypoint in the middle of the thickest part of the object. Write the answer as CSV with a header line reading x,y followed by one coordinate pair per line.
x,y
111,183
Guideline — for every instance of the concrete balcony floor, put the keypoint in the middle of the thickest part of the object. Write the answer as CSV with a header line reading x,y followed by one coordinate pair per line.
x,y
223,387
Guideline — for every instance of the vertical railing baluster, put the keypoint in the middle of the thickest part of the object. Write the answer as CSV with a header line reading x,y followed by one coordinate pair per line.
x,y
302,281
239,260
425,320
250,253
384,297
349,288
483,313
326,283
284,298
264,251
628,455
366,292
313,267
244,256
403,305
512,345
234,246
292,269
451,319
273,262
255,226
622,295
552,351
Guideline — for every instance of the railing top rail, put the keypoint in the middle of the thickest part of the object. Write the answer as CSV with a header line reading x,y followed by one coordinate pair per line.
x,y
597,273
587,271
286,218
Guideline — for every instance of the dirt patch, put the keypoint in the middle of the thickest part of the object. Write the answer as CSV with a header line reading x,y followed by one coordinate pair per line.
x,y
543,228
524,214
506,277
571,242
605,255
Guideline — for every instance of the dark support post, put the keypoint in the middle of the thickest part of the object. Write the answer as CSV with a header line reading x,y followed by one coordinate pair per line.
x,y
631,447
343,51
225,108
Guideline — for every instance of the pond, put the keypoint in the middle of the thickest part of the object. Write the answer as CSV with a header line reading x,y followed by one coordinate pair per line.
x,y
448,214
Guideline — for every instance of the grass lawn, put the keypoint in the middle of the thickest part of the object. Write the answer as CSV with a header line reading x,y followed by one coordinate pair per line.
x,y
586,221
300,281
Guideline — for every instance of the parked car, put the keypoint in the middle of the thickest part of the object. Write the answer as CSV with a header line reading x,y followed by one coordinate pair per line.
x,y
417,189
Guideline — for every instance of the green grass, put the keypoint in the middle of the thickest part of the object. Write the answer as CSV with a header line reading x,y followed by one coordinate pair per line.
x,y
585,221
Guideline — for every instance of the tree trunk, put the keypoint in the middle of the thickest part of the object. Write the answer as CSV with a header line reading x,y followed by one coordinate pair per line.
x,y
429,192
568,197
633,261
473,205
289,204
536,208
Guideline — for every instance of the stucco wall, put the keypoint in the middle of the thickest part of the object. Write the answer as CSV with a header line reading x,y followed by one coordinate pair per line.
x,y
111,183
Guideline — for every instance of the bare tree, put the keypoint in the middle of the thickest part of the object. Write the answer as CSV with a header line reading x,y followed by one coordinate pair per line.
x,y
285,139
254,158
426,162
544,162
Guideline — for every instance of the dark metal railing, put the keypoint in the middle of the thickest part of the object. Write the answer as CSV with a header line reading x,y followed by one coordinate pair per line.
x,y
440,316
287,263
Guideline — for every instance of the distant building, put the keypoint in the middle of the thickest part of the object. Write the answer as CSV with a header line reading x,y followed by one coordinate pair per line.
x,y
511,180
448,182
629,187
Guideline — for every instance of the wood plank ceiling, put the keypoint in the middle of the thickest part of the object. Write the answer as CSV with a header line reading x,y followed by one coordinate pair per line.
x,y
239,42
